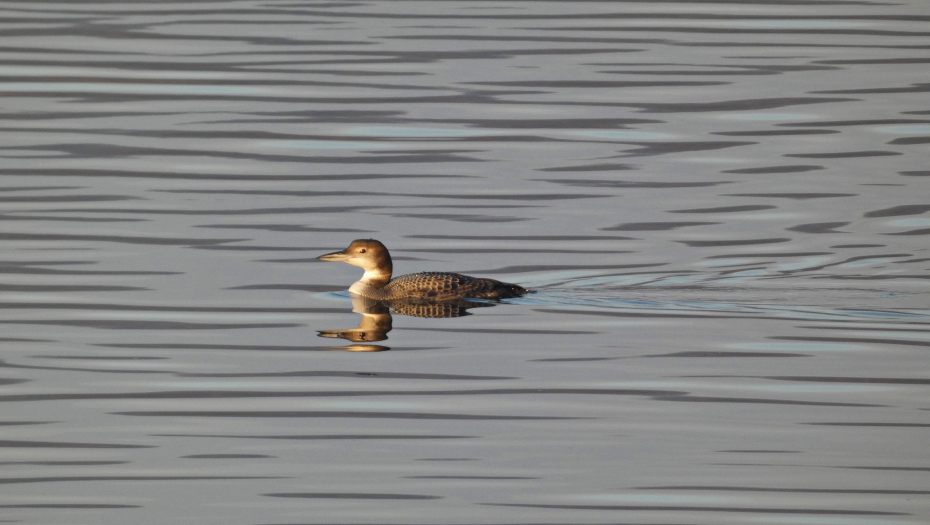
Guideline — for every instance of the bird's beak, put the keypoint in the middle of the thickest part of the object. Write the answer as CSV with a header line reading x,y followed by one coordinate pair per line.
x,y
335,256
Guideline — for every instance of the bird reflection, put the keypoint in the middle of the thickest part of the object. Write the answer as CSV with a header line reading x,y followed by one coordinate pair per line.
x,y
377,320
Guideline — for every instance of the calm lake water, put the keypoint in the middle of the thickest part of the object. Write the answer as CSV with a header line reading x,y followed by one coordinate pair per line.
x,y
723,208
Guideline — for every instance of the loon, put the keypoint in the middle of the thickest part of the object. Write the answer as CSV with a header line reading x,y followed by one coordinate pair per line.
x,y
377,284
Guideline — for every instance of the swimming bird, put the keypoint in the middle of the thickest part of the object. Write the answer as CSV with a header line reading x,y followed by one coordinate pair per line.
x,y
376,283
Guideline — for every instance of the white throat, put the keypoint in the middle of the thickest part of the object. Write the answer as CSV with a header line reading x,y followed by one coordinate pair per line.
x,y
366,287
373,275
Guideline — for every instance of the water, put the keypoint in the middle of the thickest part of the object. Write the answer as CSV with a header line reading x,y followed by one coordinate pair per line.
x,y
723,208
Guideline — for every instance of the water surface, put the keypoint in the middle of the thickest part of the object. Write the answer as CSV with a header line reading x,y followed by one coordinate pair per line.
x,y
723,208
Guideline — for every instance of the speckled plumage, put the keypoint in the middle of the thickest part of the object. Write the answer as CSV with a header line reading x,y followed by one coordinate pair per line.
x,y
440,285
431,286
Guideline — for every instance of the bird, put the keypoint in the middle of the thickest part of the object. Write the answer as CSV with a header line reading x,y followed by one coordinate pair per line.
x,y
373,257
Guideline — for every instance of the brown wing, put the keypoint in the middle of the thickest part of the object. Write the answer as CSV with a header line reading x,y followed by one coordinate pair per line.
x,y
439,286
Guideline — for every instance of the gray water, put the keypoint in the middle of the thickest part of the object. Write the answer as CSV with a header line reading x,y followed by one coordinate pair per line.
x,y
723,209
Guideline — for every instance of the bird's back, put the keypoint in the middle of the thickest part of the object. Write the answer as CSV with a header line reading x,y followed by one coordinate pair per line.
x,y
441,285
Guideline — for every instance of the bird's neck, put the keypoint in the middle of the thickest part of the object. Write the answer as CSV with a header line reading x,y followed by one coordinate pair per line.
x,y
367,288
376,278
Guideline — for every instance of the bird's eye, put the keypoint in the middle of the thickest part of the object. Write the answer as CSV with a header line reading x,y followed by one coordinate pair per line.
x,y
362,250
